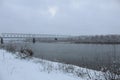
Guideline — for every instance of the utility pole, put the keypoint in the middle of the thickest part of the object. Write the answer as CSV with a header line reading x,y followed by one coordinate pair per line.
x,y
114,53
114,61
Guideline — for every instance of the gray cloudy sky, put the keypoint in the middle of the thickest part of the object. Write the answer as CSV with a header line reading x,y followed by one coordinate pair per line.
x,y
69,17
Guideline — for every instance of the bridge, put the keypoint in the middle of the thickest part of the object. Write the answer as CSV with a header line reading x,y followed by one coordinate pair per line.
x,y
32,37
21,35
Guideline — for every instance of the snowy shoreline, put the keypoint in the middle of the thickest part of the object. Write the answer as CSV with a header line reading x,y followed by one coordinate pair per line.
x,y
14,68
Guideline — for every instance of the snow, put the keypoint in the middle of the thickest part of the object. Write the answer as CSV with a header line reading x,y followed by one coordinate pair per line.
x,y
13,67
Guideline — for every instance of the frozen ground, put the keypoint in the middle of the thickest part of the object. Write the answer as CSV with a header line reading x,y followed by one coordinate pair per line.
x,y
13,67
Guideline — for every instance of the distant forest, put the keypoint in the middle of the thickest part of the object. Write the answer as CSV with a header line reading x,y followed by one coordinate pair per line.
x,y
103,39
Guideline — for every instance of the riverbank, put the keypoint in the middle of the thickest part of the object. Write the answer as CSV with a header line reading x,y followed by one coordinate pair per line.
x,y
12,67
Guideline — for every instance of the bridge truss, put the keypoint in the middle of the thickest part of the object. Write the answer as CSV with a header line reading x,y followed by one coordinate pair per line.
x,y
32,37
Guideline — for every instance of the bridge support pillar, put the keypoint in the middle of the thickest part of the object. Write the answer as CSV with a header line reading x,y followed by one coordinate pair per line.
x,y
34,40
1,40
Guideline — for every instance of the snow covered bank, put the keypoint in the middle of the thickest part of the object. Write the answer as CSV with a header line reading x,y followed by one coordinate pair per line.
x,y
14,68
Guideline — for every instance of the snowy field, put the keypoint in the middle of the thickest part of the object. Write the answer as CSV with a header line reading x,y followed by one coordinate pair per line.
x,y
12,67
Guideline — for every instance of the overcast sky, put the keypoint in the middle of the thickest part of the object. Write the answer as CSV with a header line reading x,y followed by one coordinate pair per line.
x,y
67,17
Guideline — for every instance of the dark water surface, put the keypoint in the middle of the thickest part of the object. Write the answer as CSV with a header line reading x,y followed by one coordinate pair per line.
x,y
77,54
